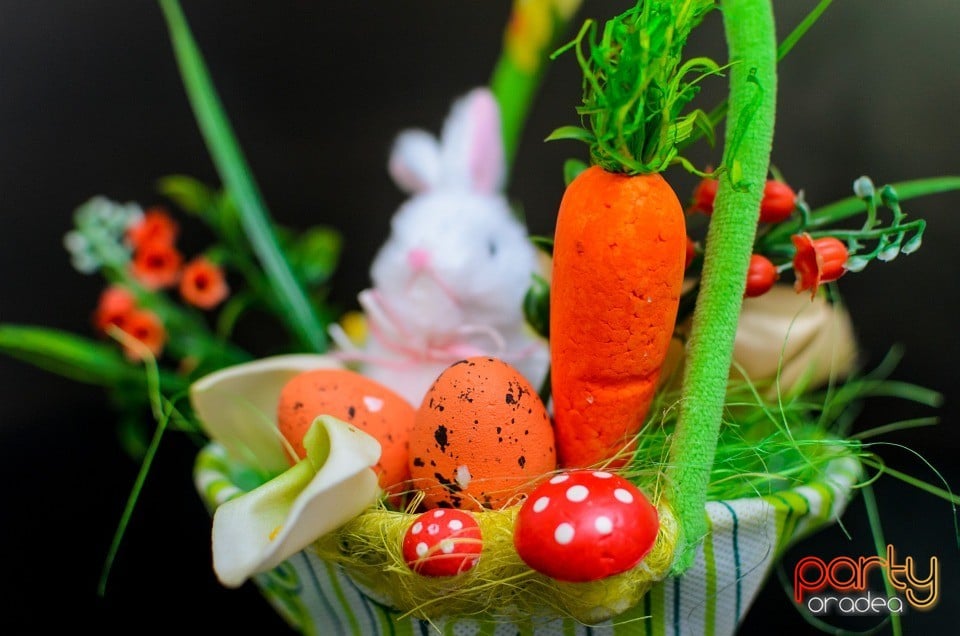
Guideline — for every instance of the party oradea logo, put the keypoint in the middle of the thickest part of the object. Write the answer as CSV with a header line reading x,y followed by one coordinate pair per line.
x,y
866,585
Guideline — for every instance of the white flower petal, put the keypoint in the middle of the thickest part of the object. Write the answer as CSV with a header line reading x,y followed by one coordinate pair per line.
x,y
260,529
237,406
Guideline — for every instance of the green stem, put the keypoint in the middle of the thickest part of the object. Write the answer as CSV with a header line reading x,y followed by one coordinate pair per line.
x,y
518,71
227,156
751,39
153,387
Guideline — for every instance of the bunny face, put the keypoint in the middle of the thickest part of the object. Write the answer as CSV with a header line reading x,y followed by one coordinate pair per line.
x,y
455,257
449,281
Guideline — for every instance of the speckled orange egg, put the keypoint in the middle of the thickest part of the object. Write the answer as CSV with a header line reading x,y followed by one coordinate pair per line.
x,y
357,400
481,437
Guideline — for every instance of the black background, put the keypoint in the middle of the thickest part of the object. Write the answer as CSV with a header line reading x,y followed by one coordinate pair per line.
x,y
91,103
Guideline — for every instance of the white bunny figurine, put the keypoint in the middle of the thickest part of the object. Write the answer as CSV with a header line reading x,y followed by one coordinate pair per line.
x,y
449,281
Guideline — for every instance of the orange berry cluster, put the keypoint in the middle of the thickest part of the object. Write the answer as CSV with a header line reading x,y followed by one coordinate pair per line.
x,y
118,309
157,264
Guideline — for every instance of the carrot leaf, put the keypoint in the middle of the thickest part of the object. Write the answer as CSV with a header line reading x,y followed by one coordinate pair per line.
x,y
636,86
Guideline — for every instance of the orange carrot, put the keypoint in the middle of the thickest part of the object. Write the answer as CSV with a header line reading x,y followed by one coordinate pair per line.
x,y
618,261
620,243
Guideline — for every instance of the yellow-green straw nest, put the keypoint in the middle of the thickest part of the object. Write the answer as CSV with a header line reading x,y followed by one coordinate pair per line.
x,y
501,585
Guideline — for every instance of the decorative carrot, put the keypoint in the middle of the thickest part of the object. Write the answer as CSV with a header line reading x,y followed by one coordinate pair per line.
x,y
618,261
620,242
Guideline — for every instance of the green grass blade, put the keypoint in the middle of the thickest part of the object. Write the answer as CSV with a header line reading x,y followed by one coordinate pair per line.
x,y
801,29
75,357
880,545
916,483
295,308
716,115
162,416
895,427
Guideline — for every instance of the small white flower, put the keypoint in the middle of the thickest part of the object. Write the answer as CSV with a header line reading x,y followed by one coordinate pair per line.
x,y
98,239
82,255
85,263
863,188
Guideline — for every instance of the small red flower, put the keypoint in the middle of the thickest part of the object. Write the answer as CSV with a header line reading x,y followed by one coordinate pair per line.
x,y
817,261
203,284
114,306
761,276
146,327
156,264
704,195
157,226
778,202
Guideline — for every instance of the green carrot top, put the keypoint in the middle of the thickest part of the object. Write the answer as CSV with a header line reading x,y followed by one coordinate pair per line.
x,y
635,86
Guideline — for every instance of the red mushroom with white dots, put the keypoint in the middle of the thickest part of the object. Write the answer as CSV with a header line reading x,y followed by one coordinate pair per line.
x,y
442,542
585,525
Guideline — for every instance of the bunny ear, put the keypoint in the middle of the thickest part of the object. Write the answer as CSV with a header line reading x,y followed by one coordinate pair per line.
x,y
472,144
415,161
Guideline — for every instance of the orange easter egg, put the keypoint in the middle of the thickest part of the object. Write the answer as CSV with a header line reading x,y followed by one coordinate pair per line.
x,y
357,400
480,438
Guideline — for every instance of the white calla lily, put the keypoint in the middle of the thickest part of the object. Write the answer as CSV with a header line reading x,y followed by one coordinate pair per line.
x,y
237,406
335,482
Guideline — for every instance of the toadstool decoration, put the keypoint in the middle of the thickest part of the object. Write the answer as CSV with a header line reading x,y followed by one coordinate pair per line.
x,y
585,525
442,542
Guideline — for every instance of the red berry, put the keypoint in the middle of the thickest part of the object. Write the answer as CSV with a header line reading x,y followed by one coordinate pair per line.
x,y
704,195
442,542
760,276
778,203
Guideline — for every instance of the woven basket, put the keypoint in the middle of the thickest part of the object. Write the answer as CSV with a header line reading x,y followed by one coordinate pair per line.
x,y
747,537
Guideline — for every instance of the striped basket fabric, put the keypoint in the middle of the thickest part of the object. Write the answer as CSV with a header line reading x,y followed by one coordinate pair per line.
x,y
747,537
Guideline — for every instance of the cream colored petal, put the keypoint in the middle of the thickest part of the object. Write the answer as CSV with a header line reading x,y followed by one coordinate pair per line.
x,y
237,406
804,341
257,531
